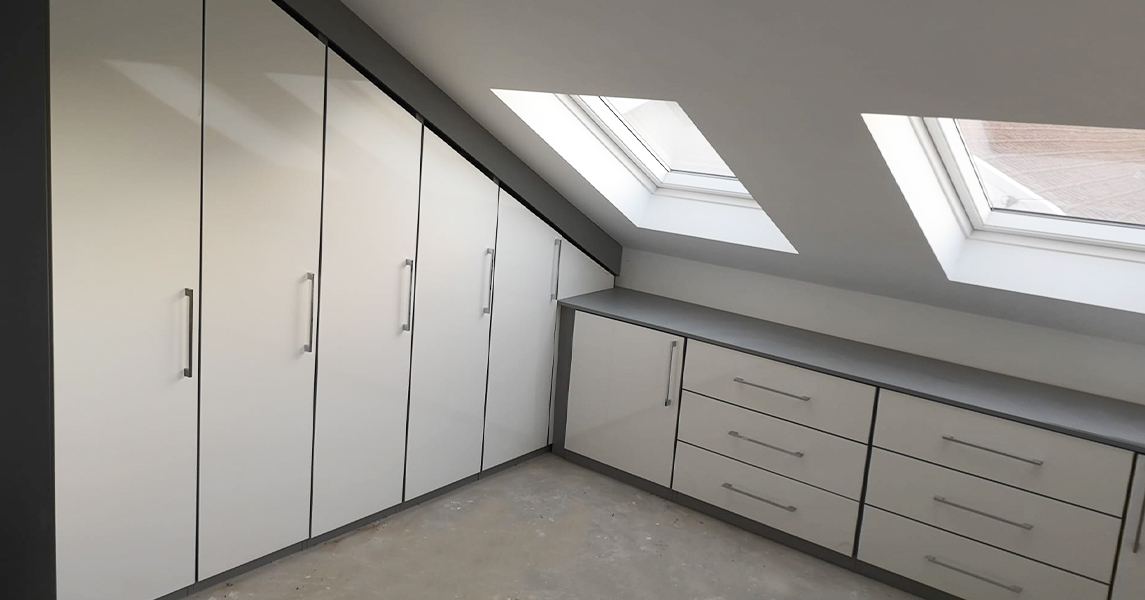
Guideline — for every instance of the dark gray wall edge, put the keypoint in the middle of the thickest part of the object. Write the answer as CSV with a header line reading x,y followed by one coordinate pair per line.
x,y
360,44
27,504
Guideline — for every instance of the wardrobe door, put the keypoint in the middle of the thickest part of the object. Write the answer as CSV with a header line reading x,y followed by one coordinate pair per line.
x,y
126,84
521,341
457,234
262,193
369,240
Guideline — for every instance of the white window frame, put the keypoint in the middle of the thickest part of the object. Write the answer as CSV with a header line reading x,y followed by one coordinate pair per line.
x,y
964,177
596,114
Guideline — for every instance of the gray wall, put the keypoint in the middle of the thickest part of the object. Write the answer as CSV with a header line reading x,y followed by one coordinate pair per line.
x,y
359,44
26,504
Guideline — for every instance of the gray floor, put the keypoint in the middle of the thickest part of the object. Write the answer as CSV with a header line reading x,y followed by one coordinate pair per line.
x,y
549,530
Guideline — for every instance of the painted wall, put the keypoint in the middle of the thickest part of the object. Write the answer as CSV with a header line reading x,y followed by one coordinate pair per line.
x,y
1085,363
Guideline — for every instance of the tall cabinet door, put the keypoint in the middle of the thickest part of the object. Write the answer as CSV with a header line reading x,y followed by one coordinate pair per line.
x,y
1130,581
262,193
457,234
369,240
623,396
521,341
125,251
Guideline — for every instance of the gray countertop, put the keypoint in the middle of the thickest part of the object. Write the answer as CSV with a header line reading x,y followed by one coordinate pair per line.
x,y
1097,418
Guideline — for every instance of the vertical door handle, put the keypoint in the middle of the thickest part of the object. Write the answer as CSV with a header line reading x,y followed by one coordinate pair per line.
x,y
408,324
487,306
671,364
556,266
188,371
309,347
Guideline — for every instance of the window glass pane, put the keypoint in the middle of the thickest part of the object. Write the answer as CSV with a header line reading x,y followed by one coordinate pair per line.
x,y
669,134
1092,173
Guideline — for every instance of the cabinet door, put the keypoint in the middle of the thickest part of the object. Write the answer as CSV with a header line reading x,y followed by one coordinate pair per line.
x,y
624,394
1130,581
369,231
521,342
457,234
262,193
579,274
125,246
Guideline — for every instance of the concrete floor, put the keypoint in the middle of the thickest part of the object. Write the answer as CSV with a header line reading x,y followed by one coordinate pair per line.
x,y
550,530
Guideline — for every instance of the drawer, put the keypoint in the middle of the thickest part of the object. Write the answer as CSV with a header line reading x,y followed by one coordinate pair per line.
x,y
963,567
1130,583
1076,539
823,460
820,517
1048,463
821,401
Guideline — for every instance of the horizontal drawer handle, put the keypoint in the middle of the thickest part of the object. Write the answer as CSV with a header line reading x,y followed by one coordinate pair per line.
x,y
954,440
1013,588
740,436
941,500
772,390
728,486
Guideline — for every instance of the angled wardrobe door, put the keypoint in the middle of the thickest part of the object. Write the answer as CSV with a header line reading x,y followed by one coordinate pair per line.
x,y
125,251
262,193
521,341
457,234
369,241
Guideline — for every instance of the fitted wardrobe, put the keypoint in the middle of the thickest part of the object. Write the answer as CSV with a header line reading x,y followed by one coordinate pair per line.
x,y
282,303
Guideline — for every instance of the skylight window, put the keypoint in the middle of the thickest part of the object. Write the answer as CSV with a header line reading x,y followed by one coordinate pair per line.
x,y
1080,184
663,144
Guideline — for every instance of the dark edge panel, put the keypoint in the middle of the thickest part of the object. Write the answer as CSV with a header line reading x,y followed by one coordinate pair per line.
x,y
1124,523
566,319
866,473
26,424
356,41
898,581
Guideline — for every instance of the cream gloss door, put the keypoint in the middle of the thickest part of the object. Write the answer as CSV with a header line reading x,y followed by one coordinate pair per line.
x,y
1130,581
624,395
369,240
262,193
521,341
457,234
125,249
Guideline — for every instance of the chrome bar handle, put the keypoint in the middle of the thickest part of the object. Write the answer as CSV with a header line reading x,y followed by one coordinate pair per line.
x,y
309,347
954,440
1140,526
487,306
728,486
1013,588
189,371
772,390
671,365
942,500
556,267
408,324
740,436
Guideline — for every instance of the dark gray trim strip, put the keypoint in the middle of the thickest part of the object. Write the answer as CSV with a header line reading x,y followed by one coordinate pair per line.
x,y
567,319
26,444
363,47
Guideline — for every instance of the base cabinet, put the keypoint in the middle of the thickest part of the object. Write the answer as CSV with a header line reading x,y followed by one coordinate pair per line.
x,y
623,396
1129,583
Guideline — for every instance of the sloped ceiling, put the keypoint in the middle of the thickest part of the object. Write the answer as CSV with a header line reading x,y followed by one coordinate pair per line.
x,y
778,87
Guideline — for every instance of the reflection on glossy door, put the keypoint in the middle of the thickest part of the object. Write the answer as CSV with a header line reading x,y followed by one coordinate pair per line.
x,y
456,236
373,158
262,191
521,341
125,245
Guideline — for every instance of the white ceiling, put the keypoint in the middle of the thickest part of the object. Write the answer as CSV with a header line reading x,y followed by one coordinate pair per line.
x,y
778,87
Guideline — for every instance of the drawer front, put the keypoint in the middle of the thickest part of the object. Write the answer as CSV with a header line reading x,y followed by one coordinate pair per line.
x,y
820,459
963,567
1075,539
821,401
1048,463
803,511
1130,582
